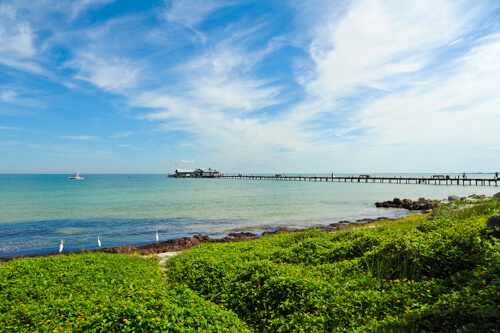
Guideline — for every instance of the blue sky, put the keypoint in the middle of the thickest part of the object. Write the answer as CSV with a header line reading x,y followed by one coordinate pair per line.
x,y
103,86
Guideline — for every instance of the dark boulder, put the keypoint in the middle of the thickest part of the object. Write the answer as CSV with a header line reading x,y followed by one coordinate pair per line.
x,y
242,234
421,204
493,221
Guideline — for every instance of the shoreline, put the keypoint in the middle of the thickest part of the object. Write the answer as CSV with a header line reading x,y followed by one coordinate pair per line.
x,y
184,243
180,244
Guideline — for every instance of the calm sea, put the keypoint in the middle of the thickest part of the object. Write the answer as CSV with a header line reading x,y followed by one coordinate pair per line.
x,y
38,211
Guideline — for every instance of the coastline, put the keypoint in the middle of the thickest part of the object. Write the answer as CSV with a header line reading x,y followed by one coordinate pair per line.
x,y
184,243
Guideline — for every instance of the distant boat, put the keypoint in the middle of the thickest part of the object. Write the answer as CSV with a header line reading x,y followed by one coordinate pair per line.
x,y
77,177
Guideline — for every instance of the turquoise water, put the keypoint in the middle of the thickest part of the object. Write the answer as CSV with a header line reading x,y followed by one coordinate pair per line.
x,y
38,211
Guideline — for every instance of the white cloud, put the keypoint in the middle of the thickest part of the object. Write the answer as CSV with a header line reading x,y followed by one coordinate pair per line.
x,y
377,39
444,110
9,96
16,34
109,73
190,13
458,41
17,41
20,96
373,74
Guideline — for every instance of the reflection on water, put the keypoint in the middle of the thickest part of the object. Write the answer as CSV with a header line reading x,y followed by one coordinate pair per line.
x,y
70,231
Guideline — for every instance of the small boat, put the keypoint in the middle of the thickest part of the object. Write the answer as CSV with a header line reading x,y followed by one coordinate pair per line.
x,y
77,177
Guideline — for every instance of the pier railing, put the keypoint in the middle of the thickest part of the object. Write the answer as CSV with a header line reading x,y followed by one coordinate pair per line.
x,y
434,180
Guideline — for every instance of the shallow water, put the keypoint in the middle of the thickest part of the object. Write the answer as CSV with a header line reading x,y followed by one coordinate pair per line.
x,y
38,211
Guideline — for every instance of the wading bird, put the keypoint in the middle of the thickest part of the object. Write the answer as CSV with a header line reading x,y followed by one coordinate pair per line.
x,y
61,246
98,241
157,235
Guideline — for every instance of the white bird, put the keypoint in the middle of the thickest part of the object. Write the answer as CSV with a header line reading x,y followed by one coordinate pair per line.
x,y
98,241
157,235
61,246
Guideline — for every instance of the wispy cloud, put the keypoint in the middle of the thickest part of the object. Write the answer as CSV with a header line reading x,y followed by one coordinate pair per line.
x,y
122,135
377,41
9,128
78,137
323,82
108,73
187,161
463,100
190,13
129,146
17,40
23,97
75,8
370,52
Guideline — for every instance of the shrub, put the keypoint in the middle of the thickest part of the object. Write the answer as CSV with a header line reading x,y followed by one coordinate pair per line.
x,y
411,278
102,293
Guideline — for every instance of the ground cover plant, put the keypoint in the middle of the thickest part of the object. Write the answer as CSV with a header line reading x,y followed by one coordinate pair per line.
x,y
96,292
437,273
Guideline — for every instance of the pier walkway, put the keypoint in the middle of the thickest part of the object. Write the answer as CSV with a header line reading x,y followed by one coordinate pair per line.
x,y
433,180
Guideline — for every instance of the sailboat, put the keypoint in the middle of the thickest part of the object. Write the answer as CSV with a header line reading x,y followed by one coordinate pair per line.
x,y
77,177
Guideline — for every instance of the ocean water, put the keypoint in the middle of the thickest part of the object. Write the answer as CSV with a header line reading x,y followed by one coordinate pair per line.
x,y
38,211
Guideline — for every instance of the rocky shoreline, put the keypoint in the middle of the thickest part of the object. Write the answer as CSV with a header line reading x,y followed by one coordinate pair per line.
x,y
426,205
421,204
181,244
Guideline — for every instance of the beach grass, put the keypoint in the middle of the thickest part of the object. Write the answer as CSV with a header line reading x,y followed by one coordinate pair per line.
x,y
438,272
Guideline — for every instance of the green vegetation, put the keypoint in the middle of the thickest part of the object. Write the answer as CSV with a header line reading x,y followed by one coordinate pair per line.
x,y
96,292
425,273
421,274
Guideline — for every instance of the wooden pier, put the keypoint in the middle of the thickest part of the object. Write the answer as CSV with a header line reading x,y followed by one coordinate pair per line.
x,y
433,180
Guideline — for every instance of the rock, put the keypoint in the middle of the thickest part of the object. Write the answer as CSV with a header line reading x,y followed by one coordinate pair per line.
x,y
383,218
426,206
453,198
128,249
363,221
407,203
496,195
493,221
279,231
421,204
242,234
